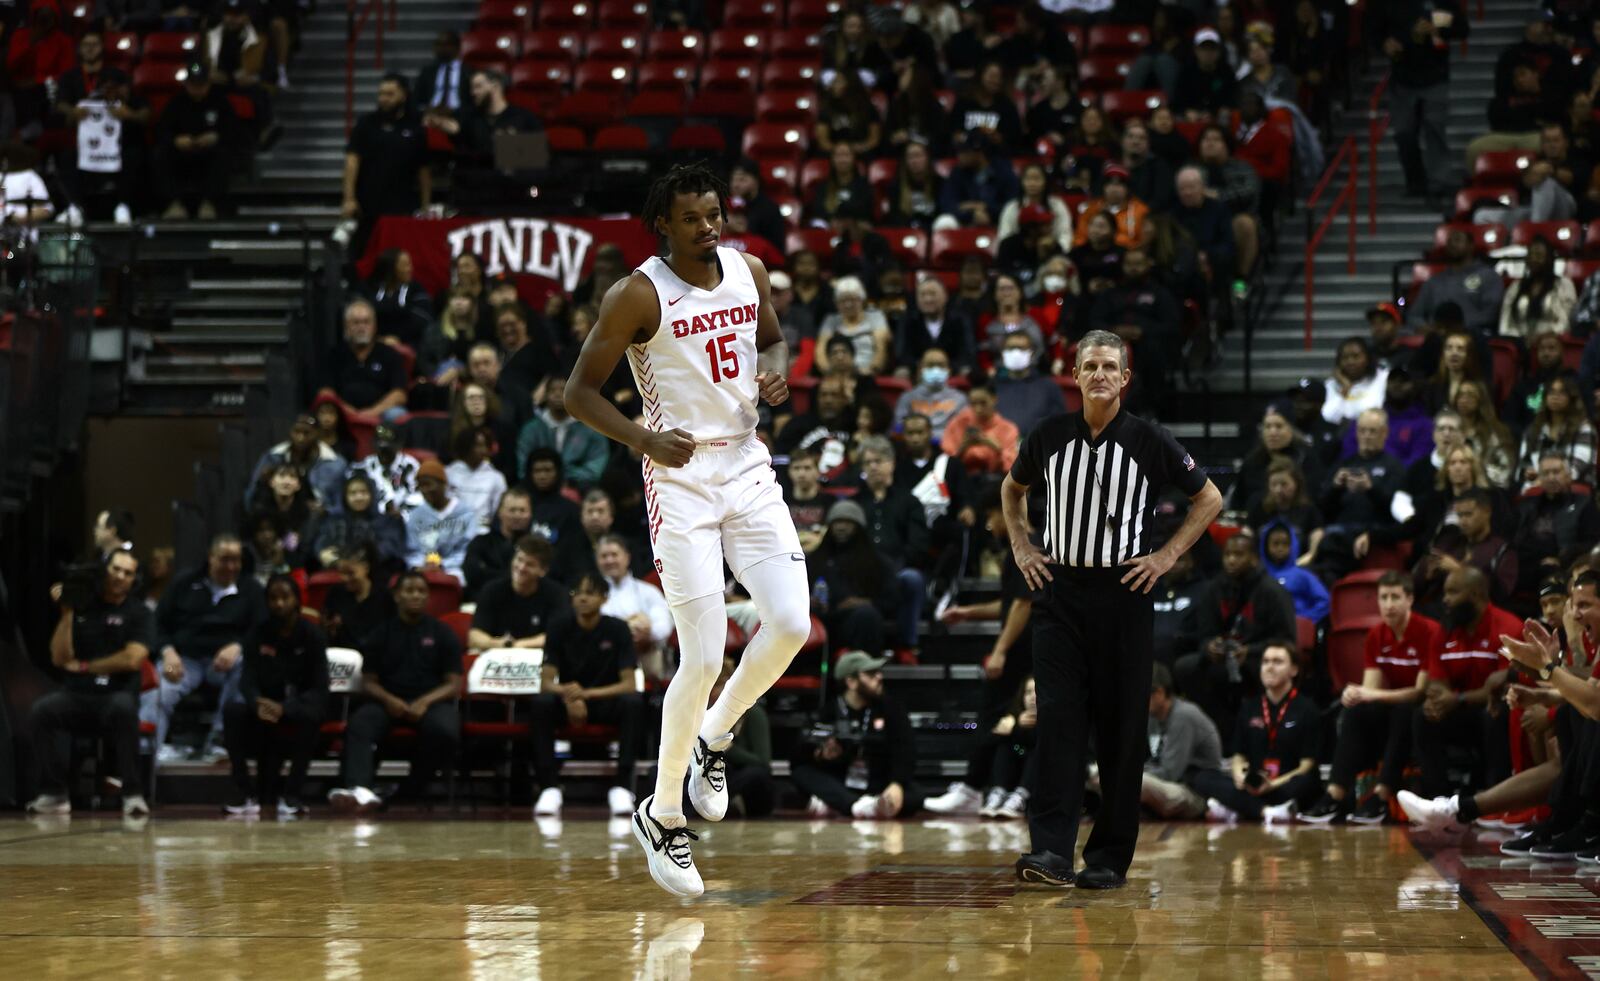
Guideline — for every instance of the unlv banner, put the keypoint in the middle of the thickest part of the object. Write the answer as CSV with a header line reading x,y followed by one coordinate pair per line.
x,y
546,254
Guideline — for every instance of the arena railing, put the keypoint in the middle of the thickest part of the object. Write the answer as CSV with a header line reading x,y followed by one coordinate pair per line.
x,y
383,15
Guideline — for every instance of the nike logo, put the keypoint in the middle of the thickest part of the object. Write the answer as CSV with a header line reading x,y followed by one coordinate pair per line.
x,y
797,556
673,303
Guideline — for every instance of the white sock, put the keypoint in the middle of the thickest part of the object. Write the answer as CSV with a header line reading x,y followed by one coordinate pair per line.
x,y
779,588
702,635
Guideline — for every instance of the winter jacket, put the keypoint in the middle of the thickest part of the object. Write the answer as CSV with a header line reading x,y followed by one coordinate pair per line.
x,y
1309,594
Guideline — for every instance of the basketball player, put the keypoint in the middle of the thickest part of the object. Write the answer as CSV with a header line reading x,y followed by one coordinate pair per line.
x,y
703,340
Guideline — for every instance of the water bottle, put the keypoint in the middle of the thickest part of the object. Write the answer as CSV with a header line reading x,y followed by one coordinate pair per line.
x,y
819,593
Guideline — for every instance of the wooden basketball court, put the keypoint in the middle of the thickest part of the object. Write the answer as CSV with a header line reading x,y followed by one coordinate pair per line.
x,y
412,897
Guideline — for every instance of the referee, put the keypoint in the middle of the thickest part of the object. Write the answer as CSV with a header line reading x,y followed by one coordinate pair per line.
x,y
1093,624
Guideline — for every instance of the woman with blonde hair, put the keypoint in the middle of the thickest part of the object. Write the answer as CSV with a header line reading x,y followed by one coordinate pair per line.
x,y
867,330
1484,432
1561,426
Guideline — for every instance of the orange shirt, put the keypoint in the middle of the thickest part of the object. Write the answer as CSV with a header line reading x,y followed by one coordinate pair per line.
x,y
982,459
1129,222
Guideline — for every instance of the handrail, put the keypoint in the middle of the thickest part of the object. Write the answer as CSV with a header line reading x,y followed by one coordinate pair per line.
x,y
1376,125
368,10
1345,199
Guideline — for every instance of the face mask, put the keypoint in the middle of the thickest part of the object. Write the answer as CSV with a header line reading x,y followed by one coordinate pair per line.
x,y
1054,284
1460,615
935,376
1016,359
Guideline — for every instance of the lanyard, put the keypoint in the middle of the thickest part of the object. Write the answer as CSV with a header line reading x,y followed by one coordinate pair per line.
x,y
1274,723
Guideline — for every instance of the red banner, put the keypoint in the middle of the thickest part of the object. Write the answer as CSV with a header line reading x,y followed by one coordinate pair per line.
x,y
545,254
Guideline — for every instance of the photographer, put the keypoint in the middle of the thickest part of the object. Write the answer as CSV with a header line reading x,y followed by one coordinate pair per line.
x,y
1274,766
859,757
100,642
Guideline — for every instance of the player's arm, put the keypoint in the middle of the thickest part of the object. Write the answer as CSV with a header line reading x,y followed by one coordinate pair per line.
x,y
629,308
772,351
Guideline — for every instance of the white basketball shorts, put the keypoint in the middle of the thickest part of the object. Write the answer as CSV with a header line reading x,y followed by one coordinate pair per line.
x,y
724,506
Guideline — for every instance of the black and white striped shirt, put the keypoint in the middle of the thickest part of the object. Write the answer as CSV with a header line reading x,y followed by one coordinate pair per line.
x,y
1100,493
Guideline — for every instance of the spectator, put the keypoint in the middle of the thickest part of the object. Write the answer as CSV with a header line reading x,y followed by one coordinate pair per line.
x,y
1458,365
1168,142
979,436
1235,184
932,397
1287,500
493,114
1090,148
1186,744
1410,426
1470,542
1356,384
529,353
1023,254
1008,315
971,45
1148,177
810,292
988,114
332,431
1515,114
937,17
1417,36
194,143
393,473
477,408
1035,194
1420,476
866,329
1158,65
365,377
517,609
475,480
1460,704
1356,499
979,186
1383,321
1054,117
1280,547
914,197
37,56
898,527
845,115
1267,149
354,607
844,183
443,87
1234,620
637,603
1306,398
1538,50
100,649
402,307
489,555
857,249
1003,761
583,451
1308,54
1279,439
1541,301
236,54
1287,730
794,320
589,677
972,289
284,689
851,47
1561,427
863,726
1207,221
555,516
1468,281
439,529
1127,213
926,474
1206,83
1260,76
1022,394
410,676
934,325
109,179
825,428
1146,316
808,506
1484,431
466,275
850,580
1527,396
873,420
761,212
1551,521
200,623
1098,260
318,466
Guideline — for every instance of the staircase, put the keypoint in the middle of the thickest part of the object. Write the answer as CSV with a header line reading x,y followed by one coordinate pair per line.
x,y
212,301
1405,225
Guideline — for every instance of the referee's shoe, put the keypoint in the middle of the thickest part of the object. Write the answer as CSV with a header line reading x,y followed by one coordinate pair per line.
x,y
1045,868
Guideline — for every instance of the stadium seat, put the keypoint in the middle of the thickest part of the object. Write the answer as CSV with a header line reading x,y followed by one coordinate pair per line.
x,y
734,42
951,246
881,174
813,15
1500,167
790,73
504,15
1486,237
172,47
667,76
632,15
759,14
675,44
566,139
789,206
122,50
1470,199
566,14
722,105
1076,35
817,240
317,587
797,43
909,245
780,174
551,77
1125,104
1591,239
486,48
813,173
1117,40
620,137
1355,596
1563,236
1347,652
444,593
730,76
787,107
775,140
614,78
1579,271
657,104
586,109
614,44
1102,74
544,45
155,79
1507,357
698,138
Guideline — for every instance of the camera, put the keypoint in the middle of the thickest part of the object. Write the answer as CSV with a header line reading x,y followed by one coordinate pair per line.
x,y
79,584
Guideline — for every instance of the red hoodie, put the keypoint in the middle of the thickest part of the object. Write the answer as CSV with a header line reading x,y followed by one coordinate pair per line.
x,y
36,56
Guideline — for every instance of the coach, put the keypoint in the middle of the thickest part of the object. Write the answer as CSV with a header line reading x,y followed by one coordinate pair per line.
x,y
1093,627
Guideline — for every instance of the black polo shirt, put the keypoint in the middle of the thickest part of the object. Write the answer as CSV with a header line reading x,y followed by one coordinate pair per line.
x,y
392,151
1284,733
1101,493
410,660
102,629
280,667
592,658
363,383
348,620
502,610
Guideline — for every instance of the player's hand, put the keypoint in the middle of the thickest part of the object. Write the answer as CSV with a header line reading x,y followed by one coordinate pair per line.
x,y
1033,563
1147,569
773,387
672,448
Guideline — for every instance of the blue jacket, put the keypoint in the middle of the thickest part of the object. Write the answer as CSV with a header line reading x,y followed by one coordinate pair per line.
x,y
1309,594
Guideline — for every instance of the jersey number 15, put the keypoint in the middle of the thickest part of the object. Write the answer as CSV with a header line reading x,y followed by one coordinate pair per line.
x,y
724,360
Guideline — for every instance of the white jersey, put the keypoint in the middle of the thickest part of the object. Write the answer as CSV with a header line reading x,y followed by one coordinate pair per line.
x,y
698,372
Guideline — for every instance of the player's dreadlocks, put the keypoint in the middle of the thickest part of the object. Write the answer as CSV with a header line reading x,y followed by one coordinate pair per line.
x,y
687,178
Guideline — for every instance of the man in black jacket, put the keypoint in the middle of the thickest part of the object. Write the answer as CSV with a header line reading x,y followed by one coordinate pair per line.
x,y
443,88
1551,521
1144,314
934,324
1233,620
195,143
1357,498
489,555
200,629
860,756
744,182
1417,37
555,516
899,529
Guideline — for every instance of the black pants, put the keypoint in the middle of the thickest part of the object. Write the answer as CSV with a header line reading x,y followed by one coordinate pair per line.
x,y
60,715
1209,684
1303,790
1372,732
1092,640
438,735
1577,788
248,737
193,177
858,628
1470,727
626,712
826,782
1002,761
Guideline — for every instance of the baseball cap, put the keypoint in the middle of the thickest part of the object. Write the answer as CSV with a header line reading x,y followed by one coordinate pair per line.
x,y
434,469
847,511
1305,385
385,436
1034,214
1207,35
855,662
1386,309
1114,171
780,280
195,71
305,419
